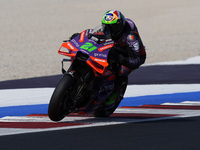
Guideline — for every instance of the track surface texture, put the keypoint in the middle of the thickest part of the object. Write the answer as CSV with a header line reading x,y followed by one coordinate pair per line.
x,y
172,134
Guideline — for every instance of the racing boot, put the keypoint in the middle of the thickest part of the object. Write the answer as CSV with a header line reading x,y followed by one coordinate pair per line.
x,y
110,101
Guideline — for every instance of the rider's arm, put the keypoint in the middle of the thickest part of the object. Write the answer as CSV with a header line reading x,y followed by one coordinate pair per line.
x,y
136,52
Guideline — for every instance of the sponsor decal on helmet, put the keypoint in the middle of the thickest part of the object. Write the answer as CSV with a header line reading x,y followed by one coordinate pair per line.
x,y
109,17
117,13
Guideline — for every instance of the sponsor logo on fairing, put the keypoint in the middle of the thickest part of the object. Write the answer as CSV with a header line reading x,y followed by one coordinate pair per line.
x,y
87,32
94,39
107,88
75,43
84,51
69,44
100,55
82,36
107,43
105,47
100,60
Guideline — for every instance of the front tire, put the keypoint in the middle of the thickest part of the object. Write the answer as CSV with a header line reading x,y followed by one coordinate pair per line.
x,y
59,96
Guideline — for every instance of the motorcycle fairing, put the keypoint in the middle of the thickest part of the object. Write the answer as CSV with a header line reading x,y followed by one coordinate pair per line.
x,y
97,52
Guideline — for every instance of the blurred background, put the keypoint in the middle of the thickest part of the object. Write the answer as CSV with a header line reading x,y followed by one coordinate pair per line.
x,y
33,30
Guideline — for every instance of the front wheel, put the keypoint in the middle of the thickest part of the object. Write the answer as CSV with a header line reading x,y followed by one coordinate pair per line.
x,y
59,98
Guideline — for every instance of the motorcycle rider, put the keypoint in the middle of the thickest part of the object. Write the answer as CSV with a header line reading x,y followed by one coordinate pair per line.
x,y
128,50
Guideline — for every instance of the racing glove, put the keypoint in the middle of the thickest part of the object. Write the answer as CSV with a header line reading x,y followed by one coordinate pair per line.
x,y
118,58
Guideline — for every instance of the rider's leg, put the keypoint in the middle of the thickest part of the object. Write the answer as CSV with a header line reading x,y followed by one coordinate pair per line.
x,y
119,90
120,86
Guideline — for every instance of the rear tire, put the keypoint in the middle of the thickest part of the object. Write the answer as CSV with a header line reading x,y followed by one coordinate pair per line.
x,y
59,96
103,112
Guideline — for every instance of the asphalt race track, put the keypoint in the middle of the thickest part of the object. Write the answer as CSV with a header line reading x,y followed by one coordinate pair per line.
x,y
158,74
167,121
173,134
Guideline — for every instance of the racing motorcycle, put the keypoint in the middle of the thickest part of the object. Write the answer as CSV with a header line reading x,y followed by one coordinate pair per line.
x,y
90,78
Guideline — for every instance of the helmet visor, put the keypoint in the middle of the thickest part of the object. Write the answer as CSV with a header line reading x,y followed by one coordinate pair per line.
x,y
105,29
112,28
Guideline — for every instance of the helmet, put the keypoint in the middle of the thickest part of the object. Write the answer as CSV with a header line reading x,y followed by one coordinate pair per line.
x,y
113,21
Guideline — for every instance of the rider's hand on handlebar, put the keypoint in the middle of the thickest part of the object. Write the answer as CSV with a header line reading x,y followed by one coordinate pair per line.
x,y
118,58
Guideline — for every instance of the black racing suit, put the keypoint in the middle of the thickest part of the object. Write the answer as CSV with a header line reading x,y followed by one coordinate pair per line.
x,y
130,53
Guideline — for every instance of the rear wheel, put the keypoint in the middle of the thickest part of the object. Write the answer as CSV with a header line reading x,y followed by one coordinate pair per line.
x,y
56,111
105,110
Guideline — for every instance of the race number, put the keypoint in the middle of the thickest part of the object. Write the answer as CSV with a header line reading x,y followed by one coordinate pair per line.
x,y
88,46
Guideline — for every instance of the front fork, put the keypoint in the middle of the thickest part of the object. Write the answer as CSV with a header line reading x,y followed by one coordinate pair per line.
x,y
83,75
89,91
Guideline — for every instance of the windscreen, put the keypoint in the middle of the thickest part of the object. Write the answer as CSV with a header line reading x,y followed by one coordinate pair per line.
x,y
101,33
